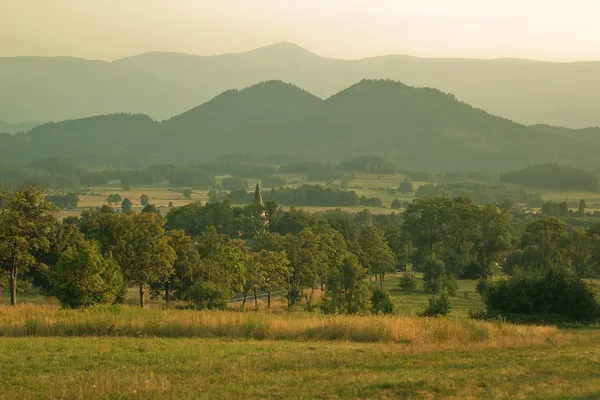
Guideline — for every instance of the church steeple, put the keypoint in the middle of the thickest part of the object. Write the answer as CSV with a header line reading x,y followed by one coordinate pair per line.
x,y
257,195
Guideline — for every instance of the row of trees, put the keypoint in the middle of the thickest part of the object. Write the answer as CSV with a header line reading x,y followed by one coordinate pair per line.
x,y
206,255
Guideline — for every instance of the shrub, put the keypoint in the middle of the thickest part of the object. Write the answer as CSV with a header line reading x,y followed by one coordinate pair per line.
x,y
438,306
187,193
539,295
408,282
450,285
206,295
381,301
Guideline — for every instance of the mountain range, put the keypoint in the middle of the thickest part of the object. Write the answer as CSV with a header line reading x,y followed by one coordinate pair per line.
x,y
417,128
164,84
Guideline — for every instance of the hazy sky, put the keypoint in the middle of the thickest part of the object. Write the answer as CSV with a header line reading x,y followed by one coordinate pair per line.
x,y
561,30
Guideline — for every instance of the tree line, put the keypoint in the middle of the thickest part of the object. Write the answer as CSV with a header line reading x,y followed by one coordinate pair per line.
x,y
207,253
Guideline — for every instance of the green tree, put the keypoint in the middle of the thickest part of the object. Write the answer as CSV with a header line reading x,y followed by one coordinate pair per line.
x,y
347,289
579,251
304,253
143,251
26,221
544,243
186,267
276,269
434,272
126,206
382,302
375,254
396,204
222,261
84,277
113,199
144,199
405,187
187,193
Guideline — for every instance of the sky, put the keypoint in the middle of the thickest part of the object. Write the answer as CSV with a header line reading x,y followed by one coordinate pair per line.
x,y
552,30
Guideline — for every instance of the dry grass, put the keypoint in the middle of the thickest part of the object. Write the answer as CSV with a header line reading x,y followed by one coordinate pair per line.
x,y
36,320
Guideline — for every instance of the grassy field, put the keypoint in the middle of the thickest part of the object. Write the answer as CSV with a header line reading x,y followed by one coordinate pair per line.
x,y
127,353
124,352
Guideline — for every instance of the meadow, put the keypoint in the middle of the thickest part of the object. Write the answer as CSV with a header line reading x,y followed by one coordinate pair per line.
x,y
125,352
128,353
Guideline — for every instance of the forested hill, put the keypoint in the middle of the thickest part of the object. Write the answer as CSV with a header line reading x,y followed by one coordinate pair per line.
x,y
165,84
417,128
553,176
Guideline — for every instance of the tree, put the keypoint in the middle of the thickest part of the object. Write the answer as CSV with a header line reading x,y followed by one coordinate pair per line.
x,y
405,187
83,277
544,243
186,268
222,261
187,193
381,301
396,204
434,271
582,206
143,251
144,199
126,206
492,239
347,290
273,181
126,186
113,199
234,183
375,254
26,220
579,251
304,253
276,269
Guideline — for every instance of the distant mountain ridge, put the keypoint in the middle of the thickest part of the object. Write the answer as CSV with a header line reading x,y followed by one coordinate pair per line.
x,y
165,84
417,128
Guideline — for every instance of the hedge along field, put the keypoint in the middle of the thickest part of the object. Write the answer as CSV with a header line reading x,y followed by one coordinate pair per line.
x,y
48,321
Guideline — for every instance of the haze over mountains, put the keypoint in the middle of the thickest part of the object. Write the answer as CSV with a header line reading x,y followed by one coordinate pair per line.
x,y
417,128
165,84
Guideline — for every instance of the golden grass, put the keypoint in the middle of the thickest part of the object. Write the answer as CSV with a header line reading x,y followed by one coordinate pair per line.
x,y
36,320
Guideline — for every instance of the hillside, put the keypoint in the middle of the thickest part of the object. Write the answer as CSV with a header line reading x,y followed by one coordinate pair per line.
x,y
6,127
164,84
416,128
554,177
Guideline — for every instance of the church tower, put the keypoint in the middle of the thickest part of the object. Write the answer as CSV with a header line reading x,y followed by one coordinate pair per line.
x,y
257,195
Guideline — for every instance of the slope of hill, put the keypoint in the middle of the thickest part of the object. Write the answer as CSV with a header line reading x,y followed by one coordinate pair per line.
x,y
164,84
416,128
5,127
555,177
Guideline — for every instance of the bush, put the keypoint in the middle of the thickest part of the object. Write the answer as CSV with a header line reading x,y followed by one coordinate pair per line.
x,y
408,282
540,295
438,306
381,301
206,295
450,285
